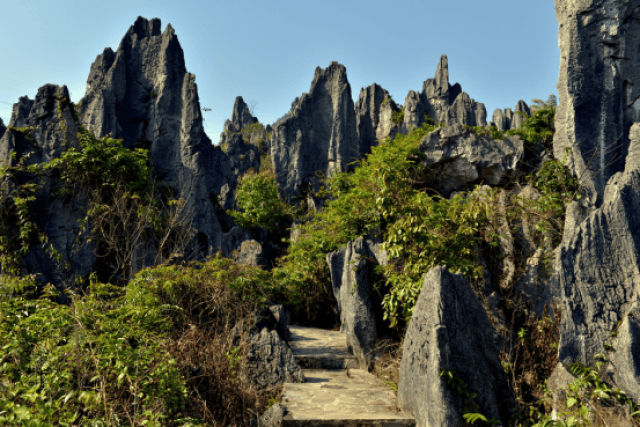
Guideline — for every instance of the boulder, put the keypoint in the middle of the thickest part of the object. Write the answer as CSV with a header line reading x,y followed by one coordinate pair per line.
x,y
369,116
251,253
599,87
450,330
442,102
351,274
597,266
459,158
273,417
270,361
318,134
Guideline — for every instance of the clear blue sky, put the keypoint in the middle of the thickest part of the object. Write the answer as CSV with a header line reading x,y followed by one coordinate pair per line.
x,y
500,51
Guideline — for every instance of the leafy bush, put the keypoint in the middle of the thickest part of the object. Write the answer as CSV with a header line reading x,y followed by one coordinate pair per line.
x,y
257,197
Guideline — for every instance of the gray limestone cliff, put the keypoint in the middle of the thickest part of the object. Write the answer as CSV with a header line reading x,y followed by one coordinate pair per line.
x,y
442,102
318,134
599,87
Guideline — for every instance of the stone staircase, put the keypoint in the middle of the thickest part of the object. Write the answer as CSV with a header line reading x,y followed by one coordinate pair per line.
x,y
336,392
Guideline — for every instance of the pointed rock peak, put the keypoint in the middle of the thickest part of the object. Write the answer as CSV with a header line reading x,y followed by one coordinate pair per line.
x,y
441,87
169,31
241,115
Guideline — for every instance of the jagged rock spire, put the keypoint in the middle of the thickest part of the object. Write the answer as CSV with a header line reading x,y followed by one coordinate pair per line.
x,y
319,133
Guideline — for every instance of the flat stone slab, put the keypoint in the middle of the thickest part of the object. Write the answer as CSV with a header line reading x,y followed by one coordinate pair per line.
x,y
315,348
345,397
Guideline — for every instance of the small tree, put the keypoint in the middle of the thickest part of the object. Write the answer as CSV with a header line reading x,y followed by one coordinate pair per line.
x,y
259,202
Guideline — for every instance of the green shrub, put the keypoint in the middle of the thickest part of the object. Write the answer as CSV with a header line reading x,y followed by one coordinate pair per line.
x,y
257,197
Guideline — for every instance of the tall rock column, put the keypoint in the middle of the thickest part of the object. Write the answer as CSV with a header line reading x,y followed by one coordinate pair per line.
x,y
368,115
319,133
599,87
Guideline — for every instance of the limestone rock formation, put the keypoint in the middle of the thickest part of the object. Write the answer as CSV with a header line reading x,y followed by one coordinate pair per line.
x,y
442,102
502,119
3,128
373,119
596,268
55,216
353,290
247,126
459,158
518,119
599,87
507,119
318,134
143,94
270,361
450,330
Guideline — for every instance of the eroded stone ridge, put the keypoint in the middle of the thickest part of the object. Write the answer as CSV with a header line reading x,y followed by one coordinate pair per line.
x,y
599,87
507,119
442,102
318,134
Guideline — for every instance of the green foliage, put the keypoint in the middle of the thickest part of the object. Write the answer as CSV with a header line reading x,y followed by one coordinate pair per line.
x,y
398,117
99,360
386,100
257,197
539,128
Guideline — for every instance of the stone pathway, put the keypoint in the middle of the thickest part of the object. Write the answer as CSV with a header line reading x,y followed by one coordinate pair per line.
x,y
336,393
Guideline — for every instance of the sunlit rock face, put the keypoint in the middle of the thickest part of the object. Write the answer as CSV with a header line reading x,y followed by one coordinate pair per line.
x,y
599,87
318,135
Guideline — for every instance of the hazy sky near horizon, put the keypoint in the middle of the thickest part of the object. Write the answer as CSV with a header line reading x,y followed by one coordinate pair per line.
x,y
500,51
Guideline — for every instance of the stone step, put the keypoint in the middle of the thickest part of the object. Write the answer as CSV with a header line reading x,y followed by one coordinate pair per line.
x,y
320,348
344,397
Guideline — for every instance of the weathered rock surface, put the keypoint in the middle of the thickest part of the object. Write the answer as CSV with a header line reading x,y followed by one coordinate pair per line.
x,y
599,87
518,119
270,362
597,265
450,330
371,123
242,122
318,134
507,119
459,158
143,94
273,417
442,102
624,366
351,275
3,128
502,119
55,216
